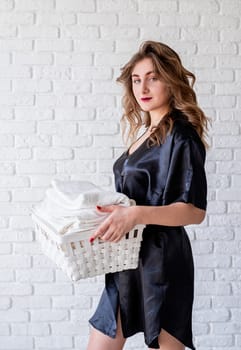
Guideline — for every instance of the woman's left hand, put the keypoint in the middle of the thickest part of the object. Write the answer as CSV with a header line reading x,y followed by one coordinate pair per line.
x,y
120,221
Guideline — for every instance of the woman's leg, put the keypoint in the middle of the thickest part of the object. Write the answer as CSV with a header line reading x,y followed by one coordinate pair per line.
x,y
100,341
168,342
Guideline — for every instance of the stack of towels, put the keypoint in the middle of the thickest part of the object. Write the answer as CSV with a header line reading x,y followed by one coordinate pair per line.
x,y
70,206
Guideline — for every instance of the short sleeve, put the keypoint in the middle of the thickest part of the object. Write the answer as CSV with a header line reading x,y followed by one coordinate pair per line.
x,y
186,179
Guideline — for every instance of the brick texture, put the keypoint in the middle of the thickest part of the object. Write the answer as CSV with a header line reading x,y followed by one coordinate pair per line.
x,y
59,117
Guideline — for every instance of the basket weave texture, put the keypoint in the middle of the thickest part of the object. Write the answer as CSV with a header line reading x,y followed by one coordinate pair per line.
x,y
79,258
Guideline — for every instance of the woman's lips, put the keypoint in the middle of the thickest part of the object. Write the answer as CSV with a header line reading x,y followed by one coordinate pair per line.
x,y
145,99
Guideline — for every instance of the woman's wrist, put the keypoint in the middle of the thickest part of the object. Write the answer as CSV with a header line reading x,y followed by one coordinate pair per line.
x,y
136,215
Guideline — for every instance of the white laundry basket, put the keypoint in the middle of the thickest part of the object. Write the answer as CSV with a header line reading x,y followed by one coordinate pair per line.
x,y
79,258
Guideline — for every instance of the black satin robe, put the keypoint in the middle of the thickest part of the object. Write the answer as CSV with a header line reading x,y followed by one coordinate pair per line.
x,y
159,293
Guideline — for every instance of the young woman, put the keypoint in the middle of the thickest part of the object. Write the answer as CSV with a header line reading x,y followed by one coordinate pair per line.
x,y
163,170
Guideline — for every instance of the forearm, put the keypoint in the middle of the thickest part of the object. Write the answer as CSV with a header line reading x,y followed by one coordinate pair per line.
x,y
123,219
176,214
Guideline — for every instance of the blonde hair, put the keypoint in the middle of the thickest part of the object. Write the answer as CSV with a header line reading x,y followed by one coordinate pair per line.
x,y
167,65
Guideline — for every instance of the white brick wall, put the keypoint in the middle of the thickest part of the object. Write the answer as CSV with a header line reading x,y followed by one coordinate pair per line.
x,y
60,108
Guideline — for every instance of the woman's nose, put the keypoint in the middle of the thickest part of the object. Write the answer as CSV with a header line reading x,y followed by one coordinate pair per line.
x,y
144,88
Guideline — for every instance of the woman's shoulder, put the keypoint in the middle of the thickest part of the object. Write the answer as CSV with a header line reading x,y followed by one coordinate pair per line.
x,y
183,130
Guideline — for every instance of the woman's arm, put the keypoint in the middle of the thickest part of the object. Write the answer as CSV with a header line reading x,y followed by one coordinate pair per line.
x,y
122,219
176,214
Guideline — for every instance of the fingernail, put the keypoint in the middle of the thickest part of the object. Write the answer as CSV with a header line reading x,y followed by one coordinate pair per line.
x,y
98,207
91,239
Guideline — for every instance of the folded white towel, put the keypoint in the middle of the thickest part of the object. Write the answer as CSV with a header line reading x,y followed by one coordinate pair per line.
x,y
83,194
56,209
71,205
74,194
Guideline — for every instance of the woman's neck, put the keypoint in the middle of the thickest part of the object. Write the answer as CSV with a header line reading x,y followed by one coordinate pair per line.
x,y
156,117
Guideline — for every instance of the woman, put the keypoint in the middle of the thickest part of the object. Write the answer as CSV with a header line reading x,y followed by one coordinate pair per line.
x,y
163,170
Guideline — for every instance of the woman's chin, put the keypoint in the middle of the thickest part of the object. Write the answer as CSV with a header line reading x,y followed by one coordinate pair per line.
x,y
145,109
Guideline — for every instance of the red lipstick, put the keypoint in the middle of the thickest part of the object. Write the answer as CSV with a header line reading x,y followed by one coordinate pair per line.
x,y
146,99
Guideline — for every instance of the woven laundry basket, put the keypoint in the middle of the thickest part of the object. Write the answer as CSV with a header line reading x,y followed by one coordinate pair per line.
x,y
79,258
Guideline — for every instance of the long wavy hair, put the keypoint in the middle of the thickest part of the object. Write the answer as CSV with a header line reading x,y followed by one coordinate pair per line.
x,y
168,66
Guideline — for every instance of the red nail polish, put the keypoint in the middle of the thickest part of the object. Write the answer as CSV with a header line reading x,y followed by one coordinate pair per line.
x,y
91,239
98,207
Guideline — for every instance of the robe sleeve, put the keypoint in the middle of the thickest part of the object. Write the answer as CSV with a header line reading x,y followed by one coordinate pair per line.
x,y
186,179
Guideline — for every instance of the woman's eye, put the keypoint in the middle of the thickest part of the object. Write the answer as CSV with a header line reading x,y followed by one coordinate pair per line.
x,y
153,79
136,81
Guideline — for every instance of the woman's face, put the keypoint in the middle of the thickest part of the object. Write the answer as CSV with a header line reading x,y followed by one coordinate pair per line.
x,y
150,92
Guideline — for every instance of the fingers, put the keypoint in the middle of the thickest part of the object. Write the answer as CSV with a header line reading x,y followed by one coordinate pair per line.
x,y
111,229
107,233
106,209
112,235
100,231
103,228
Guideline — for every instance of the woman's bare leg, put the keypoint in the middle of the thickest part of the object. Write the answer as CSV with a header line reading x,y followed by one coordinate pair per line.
x,y
168,342
100,341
